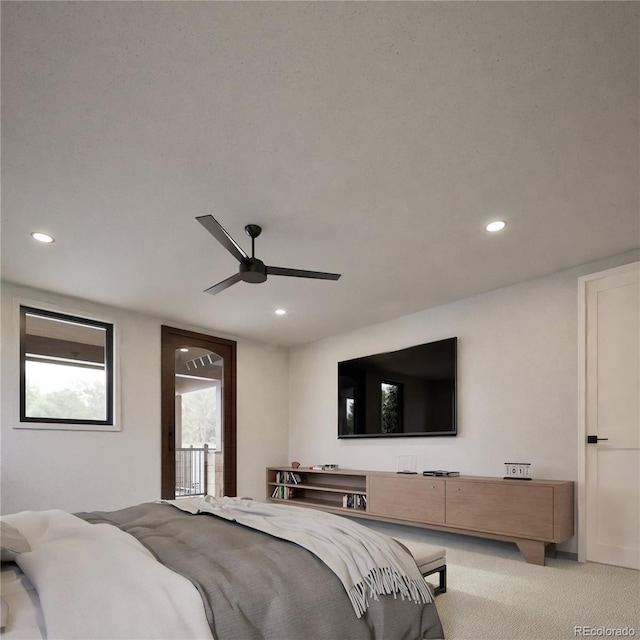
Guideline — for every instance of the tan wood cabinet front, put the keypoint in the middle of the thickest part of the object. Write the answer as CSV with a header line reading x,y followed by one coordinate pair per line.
x,y
511,509
413,498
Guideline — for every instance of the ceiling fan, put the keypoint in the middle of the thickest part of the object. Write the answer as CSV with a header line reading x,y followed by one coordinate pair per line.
x,y
251,268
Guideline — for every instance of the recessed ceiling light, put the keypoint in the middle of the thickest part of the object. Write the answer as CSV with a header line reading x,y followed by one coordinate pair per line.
x,y
280,312
496,225
184,350
42,237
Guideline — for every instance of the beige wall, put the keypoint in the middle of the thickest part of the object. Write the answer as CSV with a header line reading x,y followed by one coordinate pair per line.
x,y
81,470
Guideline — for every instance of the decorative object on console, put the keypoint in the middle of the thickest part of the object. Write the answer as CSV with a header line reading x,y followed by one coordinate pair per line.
x,y
441,473
517,470
329,467
295,465
407,464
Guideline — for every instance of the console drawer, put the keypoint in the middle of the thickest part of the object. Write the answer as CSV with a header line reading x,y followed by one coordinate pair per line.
x,y
514,509
413,498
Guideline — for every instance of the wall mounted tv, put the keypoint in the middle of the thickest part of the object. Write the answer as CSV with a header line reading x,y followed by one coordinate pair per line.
x,y
411,392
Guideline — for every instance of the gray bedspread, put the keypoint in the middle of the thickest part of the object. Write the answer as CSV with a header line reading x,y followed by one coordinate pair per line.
x,y
255,586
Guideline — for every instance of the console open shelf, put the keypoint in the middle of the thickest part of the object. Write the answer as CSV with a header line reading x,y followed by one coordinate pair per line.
x,y
329,490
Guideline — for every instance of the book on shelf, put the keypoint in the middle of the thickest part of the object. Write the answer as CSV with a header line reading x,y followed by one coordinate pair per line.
x,y
287,477
283,493
354,501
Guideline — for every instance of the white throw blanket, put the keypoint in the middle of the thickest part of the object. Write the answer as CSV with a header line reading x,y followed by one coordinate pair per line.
x,y
368,564
96,581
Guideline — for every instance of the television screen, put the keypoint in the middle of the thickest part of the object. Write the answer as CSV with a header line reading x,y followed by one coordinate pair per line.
x,y
410,392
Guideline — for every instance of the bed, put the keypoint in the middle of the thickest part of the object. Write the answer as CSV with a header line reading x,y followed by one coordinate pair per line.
x,y
226,569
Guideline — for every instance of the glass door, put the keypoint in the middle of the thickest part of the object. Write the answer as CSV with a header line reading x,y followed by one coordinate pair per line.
x,y
198,415
198,437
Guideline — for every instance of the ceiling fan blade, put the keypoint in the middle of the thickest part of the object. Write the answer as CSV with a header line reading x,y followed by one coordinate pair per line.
x,y
301,273
221,286
218,232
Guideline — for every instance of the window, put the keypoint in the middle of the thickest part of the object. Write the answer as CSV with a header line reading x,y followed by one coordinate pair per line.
x,y
66,369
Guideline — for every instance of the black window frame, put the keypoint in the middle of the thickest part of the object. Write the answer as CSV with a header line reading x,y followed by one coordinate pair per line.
x,y
108,363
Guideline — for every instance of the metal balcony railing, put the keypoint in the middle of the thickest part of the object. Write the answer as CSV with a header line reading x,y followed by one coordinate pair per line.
x,y
191,471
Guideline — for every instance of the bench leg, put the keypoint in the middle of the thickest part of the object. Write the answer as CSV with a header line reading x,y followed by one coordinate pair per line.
x,y
442,579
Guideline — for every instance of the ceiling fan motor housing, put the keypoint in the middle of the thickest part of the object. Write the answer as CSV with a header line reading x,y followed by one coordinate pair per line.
x,y
253,270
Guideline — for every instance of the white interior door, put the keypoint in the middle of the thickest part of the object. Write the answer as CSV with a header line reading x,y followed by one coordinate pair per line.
x,y
612,416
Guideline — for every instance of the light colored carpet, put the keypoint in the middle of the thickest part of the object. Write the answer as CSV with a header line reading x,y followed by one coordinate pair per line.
x,y
493,593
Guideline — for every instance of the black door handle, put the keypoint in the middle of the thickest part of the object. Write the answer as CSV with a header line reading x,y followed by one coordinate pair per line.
x,y
594,439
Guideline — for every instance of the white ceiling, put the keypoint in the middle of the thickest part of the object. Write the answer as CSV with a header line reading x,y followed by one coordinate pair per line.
x,y
370,139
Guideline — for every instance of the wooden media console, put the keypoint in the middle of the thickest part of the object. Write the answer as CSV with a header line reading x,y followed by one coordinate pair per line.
x,y
536,515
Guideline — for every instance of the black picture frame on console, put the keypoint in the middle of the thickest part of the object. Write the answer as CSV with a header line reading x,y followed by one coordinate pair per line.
x,y
410,392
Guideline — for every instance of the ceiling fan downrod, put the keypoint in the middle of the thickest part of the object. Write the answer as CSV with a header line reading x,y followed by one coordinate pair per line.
x,y
253,231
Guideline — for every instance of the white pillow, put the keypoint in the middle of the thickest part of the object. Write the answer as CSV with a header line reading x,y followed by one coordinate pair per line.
x,y
12,542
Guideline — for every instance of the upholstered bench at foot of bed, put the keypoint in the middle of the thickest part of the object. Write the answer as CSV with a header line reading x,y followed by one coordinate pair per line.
x,y
430,559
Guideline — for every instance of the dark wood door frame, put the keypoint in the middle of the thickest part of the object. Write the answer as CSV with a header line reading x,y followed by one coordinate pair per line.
x,y
173,339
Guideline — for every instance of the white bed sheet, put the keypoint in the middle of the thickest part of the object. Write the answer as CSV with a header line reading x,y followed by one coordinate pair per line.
x,y
24,620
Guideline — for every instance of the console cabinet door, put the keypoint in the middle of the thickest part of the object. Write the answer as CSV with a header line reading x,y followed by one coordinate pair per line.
x,y
418,499
514,509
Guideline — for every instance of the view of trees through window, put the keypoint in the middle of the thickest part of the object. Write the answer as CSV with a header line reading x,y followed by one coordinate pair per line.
x,y
199,418
351,405
64,391
390,408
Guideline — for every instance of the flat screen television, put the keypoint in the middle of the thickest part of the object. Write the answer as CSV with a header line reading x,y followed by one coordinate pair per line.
x,y
410,392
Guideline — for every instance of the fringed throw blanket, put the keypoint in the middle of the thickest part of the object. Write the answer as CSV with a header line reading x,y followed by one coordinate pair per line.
x,y
367,563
